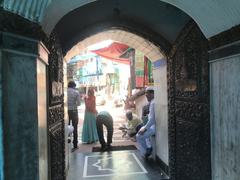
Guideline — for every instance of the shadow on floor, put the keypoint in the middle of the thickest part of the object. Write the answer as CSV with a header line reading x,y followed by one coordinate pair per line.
x,y
115,148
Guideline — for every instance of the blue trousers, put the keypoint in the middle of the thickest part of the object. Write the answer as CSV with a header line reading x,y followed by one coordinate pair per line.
x,y
144,140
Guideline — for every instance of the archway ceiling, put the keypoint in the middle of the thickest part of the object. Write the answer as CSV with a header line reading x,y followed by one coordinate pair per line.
x,y
212,17
155,20
134,41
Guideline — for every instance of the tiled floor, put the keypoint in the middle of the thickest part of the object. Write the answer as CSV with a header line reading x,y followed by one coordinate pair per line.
x,y
115,165
118,118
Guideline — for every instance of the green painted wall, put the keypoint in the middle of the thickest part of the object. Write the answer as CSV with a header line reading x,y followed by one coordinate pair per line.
x,y
30,9
23,112
1,127
19,114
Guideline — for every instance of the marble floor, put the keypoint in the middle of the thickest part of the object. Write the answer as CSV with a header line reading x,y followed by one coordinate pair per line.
x,y
114,165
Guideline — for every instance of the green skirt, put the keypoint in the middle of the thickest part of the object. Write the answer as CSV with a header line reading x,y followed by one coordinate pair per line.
x,y
89,130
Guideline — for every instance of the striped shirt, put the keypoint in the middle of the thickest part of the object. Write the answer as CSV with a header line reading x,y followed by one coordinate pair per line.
x,y
73,99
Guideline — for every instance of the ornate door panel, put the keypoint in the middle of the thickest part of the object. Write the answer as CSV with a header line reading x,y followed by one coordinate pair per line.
x,y
189,107
56,110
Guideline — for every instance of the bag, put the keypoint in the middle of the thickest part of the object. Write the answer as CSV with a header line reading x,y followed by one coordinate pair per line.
x,y
70,129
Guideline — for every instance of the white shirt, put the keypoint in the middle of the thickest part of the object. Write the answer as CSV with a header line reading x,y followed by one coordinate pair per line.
x,y
151,116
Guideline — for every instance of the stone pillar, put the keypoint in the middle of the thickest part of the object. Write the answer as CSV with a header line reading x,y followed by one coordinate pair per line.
x,y
225,105
1,121
161,112
24,107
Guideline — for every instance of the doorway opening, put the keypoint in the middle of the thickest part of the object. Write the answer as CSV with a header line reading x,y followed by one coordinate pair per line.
x,y
119,65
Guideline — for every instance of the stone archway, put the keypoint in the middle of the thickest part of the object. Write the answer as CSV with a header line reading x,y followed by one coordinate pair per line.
x,y
159,61
188,91
216,19
179,94
210,16
188,107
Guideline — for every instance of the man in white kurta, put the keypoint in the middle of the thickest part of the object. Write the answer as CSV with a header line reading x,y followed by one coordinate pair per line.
x,y
144,134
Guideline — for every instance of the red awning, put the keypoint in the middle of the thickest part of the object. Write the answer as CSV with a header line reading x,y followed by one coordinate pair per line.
x,y
112,52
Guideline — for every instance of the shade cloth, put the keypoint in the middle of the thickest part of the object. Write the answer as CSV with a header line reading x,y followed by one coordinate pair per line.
x,y
113,52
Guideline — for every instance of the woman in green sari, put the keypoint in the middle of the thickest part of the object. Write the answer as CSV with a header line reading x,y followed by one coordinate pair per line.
x,y
89,132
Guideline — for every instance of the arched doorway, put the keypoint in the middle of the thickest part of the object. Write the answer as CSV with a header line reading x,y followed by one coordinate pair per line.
x,y
185,50
181,76
153,53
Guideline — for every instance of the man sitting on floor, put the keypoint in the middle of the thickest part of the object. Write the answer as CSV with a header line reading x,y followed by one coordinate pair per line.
x,y
131,128
104,118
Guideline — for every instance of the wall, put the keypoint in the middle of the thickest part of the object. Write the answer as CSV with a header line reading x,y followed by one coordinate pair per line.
x,y
161,109
67,145
1,122
225,104
225,118
42,115
140,102
20,122
21,150
32,10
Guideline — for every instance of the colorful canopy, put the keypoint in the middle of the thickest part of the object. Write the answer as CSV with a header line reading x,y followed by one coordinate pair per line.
x,y
113,52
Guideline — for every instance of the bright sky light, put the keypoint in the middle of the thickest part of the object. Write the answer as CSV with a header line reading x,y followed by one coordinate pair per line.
x,y
100,45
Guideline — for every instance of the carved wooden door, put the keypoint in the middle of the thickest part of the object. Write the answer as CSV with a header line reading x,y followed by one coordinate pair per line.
x,y
188,91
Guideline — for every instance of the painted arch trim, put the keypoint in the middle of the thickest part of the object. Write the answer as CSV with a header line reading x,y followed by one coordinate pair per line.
x,y
132,40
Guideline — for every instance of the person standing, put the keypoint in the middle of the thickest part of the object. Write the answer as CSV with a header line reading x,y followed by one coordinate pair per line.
x,y
148,130
105,119
89,131
73,102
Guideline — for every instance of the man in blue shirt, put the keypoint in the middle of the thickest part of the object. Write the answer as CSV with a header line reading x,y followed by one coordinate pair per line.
x,y
148,130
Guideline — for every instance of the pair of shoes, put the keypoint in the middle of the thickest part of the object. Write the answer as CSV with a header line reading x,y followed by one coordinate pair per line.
x,y
104,148
148,152
74,149
109,146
